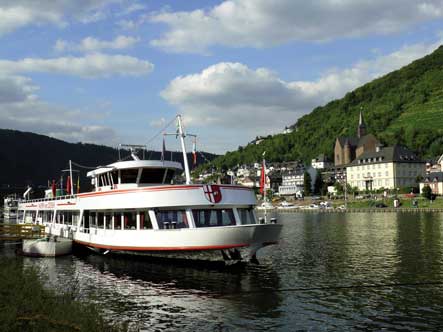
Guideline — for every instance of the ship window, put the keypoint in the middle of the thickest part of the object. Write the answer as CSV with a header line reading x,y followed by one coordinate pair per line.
x,y
145,220
48,215
85,220
68,218
129,220
100,219
59,218
246,216
172,219
92,220
114,175
108,221
210,218
117,221
152,175
105,179
129,175
169,175
76,217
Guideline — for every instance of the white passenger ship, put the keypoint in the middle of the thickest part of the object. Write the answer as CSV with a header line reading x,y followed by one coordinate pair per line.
x,y
134,208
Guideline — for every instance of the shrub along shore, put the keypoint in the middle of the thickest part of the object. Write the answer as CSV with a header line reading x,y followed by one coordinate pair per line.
x,y
26,305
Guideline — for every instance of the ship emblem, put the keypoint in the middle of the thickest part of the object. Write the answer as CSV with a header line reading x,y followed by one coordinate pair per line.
x,y
212,193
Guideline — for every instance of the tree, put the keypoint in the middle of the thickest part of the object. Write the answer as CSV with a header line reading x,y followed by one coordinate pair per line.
x,y
318,184
338,188
426,192
307,184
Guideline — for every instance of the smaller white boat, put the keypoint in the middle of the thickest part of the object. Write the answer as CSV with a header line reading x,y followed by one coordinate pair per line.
x,y
287,206
312,206
266,206
325,205
47,247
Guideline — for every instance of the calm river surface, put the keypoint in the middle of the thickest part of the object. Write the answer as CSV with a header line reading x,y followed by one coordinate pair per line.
x,y
356,271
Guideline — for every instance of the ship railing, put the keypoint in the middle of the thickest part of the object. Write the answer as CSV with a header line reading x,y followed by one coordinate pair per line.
x,y
49,199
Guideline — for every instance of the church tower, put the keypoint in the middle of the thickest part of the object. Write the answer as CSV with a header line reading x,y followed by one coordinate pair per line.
x,y
361,131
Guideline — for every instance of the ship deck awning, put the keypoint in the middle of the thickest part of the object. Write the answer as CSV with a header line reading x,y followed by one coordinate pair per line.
x,y
135,164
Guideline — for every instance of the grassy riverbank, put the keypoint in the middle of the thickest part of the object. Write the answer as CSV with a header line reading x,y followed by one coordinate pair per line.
x,y
25,305
405,203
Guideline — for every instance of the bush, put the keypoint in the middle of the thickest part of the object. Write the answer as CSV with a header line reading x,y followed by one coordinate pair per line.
x,y
426,192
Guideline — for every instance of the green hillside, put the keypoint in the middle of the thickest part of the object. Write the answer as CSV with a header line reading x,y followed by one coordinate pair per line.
x,y
28,158
405,107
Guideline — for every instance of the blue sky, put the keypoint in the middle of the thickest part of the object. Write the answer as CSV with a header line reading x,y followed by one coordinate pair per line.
x,y
116,71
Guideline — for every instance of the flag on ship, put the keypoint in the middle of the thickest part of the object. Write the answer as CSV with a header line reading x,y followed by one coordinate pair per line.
x,y
68,185
54,189
263,178
194,152
78,184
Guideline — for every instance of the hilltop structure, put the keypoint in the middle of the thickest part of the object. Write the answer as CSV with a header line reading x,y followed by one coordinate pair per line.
x,y
349,148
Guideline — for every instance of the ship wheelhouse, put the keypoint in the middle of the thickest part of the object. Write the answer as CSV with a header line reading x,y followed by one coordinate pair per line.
x,y
134,173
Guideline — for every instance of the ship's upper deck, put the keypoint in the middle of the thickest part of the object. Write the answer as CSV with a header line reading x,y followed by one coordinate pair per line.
x,y
134,172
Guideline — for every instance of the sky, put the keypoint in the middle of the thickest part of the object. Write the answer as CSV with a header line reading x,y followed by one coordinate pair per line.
x,y
118,71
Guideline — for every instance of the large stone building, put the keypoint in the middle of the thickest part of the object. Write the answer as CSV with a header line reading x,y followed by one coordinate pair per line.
x,y
390,168
349,148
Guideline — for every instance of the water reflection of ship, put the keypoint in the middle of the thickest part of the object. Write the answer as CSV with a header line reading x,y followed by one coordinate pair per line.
x,y
211,280
138,289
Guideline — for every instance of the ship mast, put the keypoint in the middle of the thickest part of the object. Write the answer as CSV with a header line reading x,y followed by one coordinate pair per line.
x,y
182,141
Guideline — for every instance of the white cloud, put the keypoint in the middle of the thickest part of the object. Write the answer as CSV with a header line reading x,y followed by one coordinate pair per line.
x,y
232,98
15,14
263,23
16,89
135,7
90,66
91,44
21,109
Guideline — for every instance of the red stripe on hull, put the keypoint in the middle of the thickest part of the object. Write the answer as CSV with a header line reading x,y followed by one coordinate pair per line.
x,y
194,248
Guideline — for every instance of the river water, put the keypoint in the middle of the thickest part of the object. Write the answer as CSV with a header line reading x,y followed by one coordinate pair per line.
x,y
356,271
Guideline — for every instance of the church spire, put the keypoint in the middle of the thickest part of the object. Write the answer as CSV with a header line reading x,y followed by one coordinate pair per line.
x,y
361,131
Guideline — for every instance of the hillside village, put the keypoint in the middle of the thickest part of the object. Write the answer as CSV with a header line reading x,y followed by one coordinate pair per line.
x,y
361,165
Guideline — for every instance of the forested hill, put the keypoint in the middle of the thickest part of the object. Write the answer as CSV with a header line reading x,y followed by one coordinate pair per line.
x,y
405,107
27,158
